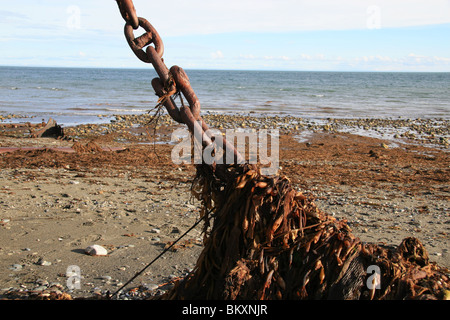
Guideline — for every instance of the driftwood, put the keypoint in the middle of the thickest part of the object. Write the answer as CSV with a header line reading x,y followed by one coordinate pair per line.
x,y
264,240
51,129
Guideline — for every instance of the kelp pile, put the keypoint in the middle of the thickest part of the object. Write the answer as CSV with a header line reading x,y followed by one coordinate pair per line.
x,y
265,240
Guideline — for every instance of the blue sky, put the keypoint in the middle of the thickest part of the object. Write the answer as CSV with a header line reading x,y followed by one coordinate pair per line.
x,y
348,35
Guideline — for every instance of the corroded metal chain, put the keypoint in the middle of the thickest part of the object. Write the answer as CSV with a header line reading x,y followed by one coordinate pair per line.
x,y
171,81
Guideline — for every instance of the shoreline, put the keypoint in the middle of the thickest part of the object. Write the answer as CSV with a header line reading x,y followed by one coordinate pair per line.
x,y
431,132
135,201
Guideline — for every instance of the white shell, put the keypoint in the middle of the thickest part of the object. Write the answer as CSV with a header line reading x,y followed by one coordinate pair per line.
x,y
96,250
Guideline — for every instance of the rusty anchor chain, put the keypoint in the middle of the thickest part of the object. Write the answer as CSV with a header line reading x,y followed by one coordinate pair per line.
x,y
171,82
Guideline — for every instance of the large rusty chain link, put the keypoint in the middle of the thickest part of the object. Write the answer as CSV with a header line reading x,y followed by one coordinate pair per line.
x,y
171,81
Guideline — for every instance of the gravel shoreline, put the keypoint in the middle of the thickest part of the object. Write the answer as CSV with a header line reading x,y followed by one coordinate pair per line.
x,y
428,132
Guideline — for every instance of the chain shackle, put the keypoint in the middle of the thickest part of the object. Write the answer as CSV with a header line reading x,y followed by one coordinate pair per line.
x,y
165,88
137,44
128,12
183,85
167,100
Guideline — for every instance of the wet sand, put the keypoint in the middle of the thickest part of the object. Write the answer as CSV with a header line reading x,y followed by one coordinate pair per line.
x,y
388,178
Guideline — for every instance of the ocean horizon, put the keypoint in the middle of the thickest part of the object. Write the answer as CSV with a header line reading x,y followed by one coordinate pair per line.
x,y
79,95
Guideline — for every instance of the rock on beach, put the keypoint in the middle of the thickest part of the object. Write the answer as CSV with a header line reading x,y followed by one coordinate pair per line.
x,y
96,250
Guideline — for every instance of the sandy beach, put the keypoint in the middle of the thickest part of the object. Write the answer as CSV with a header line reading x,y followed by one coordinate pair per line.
x,y
388,178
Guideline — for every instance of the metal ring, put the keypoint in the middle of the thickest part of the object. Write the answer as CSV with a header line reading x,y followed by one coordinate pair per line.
x,y
137,44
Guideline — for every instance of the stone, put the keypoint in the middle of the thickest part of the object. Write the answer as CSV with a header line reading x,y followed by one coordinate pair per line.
x,y
40,288
151,286
16,267
96,250
41,282
44,263
175,230
106,278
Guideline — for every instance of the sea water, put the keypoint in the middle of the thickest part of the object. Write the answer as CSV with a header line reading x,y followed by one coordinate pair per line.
x,y
88,95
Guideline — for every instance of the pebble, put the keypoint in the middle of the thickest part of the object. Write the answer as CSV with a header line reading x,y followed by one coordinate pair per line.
x,y
16,267
40,288
150,286
42,262
96,250
175,230
106,278
42,282
56,285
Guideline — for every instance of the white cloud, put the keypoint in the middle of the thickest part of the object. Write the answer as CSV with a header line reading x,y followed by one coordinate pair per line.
x,y
247,56
217,55
217,16
442,59
57,32
275,58
410,62
327,62
305,56
304,61
427,60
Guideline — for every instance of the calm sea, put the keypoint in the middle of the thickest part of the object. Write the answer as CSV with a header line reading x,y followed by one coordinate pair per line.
x,y
76,95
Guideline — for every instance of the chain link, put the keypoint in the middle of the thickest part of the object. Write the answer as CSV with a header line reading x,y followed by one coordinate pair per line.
x,y
151,36
170,82
128,12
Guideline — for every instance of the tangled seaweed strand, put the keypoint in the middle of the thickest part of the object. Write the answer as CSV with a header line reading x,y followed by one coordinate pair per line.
x,y
264,240
87,148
